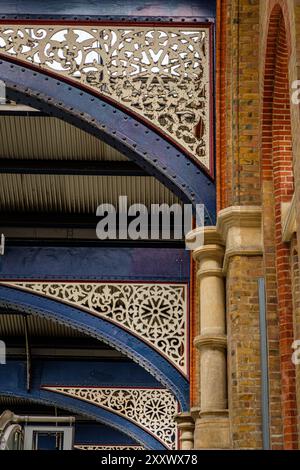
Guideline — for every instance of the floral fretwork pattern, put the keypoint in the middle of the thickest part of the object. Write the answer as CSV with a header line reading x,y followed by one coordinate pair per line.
x,y
106,447
153,409
160,73
157,313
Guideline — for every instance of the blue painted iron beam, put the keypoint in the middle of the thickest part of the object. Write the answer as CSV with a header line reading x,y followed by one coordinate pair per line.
x,y
44,219
70,167
13,385
95,263
144,146
92,243
99,328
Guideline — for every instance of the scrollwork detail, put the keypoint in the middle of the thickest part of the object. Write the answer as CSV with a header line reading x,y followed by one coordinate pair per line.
x,y
153,409
160,73
157,313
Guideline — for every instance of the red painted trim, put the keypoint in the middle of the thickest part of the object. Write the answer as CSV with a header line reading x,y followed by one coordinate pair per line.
x,y
115,387
212,114
105,445
221,104
91,281
93,22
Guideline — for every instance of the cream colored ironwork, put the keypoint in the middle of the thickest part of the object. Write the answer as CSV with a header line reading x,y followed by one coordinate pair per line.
x,y
160,73
157,313
153,409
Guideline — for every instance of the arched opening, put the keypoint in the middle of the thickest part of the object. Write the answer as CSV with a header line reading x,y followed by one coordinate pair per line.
x,y
277,190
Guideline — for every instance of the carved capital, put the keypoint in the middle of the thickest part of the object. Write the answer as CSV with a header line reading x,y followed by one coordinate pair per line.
x,y
211,341
240,229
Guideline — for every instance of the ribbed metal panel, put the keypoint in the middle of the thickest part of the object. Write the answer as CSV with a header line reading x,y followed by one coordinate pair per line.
x,y
77,194
7,402
47,137
13,325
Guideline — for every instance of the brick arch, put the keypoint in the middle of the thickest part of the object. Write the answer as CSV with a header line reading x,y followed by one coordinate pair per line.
x,y
277,188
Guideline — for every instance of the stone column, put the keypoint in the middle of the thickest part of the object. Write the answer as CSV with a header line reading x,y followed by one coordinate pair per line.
x,y
240,230
186,428
212,423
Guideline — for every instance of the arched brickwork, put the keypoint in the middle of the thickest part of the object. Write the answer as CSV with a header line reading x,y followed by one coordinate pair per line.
x,y
278,188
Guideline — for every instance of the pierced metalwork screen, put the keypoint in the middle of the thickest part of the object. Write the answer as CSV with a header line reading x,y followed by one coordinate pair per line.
x,y
153,409
157,313
160,73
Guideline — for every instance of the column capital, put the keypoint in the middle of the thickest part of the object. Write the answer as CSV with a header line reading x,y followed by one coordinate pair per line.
x,y
202,236
186,426
240,229
185,420
211,341
215,252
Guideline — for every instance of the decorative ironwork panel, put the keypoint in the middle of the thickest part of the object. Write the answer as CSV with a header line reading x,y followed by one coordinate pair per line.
x,y
161,73
156,313
106,447
153,409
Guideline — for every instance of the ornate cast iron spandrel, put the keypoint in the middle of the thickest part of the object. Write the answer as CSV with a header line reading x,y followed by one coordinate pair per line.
x,y
161,73
153,409
156,313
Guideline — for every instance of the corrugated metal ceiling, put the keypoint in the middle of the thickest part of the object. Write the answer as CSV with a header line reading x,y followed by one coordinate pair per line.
x,y
42,137
47,137
13,325
76,194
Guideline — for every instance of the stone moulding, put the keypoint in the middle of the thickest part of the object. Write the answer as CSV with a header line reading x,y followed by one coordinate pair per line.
x,y
153,409
161,73
156,313
240,230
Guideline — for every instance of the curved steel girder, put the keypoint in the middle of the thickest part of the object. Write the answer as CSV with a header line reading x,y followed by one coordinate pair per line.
x,y
114,126
91,411
116,337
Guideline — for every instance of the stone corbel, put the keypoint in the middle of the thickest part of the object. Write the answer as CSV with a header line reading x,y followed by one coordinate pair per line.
x,y
288,219
240,229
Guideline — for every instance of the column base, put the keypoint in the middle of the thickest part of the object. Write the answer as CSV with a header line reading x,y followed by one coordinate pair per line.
x,y
212,432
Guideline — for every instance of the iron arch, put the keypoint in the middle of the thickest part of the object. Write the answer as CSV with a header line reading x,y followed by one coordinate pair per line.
x,y
134,348
91,411
114,126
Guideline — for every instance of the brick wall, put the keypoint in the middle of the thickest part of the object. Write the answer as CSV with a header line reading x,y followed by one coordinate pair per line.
x,y
244,351
277,187
296,315
258,147
240,183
